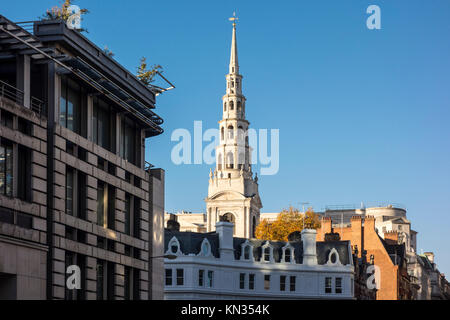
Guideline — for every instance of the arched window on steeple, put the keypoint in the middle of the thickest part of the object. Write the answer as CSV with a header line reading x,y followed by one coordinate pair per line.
x,y
238,107
231,105
219,161
240,160
230,160
230,132
240,135
225,106
222,134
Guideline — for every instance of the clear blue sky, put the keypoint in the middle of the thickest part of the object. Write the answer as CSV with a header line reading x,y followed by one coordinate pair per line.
x,y
363,115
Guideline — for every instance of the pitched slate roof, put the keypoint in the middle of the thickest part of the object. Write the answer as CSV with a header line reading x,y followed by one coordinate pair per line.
x,y
190,243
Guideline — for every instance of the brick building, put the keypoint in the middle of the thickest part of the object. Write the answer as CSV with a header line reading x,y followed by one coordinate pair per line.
x,y
74,185
395,283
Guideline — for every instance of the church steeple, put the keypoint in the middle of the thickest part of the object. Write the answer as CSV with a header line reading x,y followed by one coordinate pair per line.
x,y
233,191
234,65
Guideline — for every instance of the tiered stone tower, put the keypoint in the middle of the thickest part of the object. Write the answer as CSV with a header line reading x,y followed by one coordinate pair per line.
x,y
233,192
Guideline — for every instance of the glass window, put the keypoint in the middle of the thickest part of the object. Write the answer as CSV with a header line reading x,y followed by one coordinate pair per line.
x,y
7,119
104,125
287,255
128,139
111,208
282,283
128,213
201,276
247,252
338,285
6,168
292,283
69,191
101,204
70,104
81,195
205,248
127,283
100,280
328,285
168,277
242,281
267,254
180,277
24,174
136,217
110,281
267,282
251,281
210,279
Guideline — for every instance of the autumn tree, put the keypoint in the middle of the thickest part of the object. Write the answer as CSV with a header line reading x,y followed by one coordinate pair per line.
x,y
288,221
146,75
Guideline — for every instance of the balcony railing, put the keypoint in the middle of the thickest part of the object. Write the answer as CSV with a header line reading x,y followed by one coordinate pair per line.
x,y
364,206
17,95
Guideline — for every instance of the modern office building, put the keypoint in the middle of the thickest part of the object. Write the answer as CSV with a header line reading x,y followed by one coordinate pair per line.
x,y
75,189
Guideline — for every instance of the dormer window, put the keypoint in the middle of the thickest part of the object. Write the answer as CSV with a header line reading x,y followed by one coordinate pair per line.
x,y
205,249
266,252
246,251
174,247
288,254
333,257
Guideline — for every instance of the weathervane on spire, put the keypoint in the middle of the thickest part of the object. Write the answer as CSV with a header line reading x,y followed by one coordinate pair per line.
x,y
234,19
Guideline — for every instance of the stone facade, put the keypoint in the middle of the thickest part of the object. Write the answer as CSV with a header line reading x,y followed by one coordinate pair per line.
x,y
89,199
23,211
217,265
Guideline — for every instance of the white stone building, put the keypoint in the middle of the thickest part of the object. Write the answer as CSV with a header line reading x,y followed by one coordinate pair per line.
x,y
217,265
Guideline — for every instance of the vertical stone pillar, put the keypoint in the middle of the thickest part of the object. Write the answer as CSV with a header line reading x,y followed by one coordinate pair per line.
x,y
23,78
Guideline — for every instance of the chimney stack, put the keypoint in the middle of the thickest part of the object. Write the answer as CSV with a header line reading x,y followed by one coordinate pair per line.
x,y
430,256
225,231
309,247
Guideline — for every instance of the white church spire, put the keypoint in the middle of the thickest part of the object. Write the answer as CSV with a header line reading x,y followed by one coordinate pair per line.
x,y
234,65
233,191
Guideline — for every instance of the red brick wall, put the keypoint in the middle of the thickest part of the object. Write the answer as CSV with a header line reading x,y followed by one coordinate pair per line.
x,y
362,233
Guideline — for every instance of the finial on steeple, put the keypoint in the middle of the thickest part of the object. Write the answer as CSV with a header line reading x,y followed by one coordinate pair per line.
x,y
234,66
234,19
